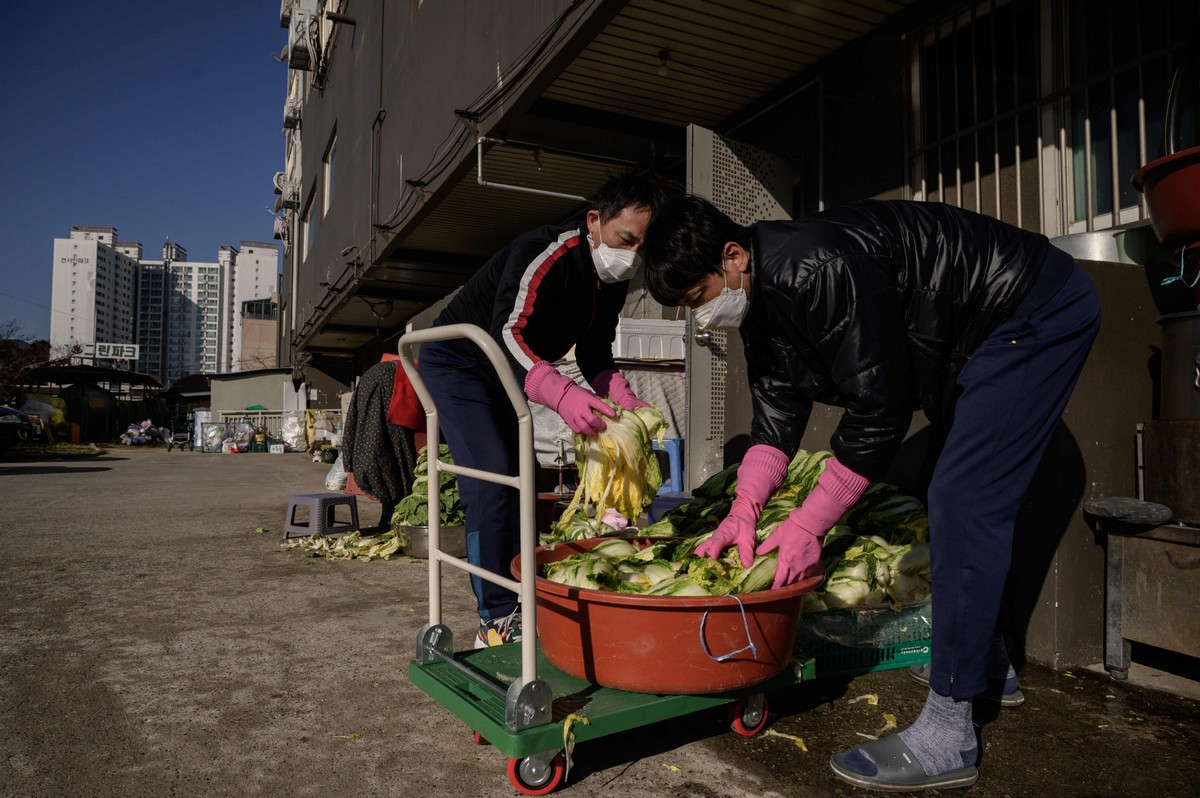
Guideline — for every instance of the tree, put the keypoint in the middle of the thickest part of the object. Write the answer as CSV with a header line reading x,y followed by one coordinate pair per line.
x,y
20,354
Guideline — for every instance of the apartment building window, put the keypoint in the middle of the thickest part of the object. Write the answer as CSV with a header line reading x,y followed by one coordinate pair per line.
x,y
1038,111
310,225
330,170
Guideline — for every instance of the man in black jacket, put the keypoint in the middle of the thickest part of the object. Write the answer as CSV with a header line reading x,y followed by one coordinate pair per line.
x,y
883,308
551,289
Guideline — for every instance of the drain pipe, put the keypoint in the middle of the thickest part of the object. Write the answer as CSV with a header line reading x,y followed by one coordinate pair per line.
x,y
479,175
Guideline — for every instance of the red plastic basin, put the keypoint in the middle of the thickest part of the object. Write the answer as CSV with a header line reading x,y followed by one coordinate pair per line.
x,y
652,644
1172,189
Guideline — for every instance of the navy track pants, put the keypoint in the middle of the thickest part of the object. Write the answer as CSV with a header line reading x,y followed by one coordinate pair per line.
x,y
1012,393
479,425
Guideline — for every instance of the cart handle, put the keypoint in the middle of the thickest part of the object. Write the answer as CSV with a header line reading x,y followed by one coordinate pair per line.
x,y
523,482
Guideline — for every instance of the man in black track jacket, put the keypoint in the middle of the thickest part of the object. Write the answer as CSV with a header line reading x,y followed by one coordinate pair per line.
x,y
883,308
551,289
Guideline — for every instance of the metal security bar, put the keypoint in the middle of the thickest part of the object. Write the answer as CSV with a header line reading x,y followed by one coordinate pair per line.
x,y
1038,111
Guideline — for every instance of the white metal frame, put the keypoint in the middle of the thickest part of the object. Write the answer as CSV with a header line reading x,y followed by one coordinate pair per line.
x,y
523,482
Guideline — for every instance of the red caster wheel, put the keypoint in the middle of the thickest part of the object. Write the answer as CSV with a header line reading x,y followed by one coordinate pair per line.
x,y
479,739
534,777
749,715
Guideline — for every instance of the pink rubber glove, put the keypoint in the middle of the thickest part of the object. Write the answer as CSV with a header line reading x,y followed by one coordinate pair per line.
x,y
614,385
761,472
577,406
798,538
614,519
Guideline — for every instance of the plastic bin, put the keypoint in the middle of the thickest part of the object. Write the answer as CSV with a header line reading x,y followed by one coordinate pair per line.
x,y
664,503
674,449
856,641
666,645
649,339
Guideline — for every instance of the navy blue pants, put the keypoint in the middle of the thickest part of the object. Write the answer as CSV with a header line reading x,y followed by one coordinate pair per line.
x,y
479,425
1012,393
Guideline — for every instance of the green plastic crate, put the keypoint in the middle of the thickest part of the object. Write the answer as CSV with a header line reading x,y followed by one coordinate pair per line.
x,y
856,641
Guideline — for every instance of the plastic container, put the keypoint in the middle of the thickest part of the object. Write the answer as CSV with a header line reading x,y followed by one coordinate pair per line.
x,y
649,339
414,540
856,641
1172,189
674,449
657,644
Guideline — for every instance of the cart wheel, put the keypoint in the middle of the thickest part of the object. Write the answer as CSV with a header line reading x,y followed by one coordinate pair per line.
x,y
531,777
749,716
480,740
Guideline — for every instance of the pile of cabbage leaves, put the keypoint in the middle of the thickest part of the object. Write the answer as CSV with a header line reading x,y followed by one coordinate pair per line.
x,y
878,552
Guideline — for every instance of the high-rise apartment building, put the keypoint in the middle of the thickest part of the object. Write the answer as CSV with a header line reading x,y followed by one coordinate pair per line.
x,y
179,315
186,317
93,288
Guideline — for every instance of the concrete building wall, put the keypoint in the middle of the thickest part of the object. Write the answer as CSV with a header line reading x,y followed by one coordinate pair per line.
x,y
258,343
416,63
227,321
255,275
236,391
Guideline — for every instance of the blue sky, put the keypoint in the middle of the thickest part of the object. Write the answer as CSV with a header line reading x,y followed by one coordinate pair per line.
x,y
160,118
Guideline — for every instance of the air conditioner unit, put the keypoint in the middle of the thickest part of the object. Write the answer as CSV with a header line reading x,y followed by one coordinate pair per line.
x,y
290,199
299,47
281,228
285,13
291,113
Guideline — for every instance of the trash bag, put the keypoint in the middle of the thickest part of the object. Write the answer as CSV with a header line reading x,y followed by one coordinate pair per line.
x,y
336,478
294,439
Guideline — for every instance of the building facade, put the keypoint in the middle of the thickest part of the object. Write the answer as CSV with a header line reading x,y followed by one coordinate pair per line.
x,y
254,282
184,316
179,315
259,333
420,138
93,288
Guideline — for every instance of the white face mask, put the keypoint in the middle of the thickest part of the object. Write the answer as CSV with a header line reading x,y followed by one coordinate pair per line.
x,y
612,264
724,311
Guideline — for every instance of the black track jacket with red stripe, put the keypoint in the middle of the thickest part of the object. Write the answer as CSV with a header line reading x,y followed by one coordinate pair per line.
x,y
538,297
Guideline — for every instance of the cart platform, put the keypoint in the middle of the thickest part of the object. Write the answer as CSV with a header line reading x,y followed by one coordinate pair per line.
x,y
607,710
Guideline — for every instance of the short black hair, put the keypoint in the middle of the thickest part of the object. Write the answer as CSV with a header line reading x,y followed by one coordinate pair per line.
x,y
683,246
634,190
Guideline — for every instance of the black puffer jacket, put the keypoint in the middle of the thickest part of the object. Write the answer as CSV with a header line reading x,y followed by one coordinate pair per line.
x,y
873,307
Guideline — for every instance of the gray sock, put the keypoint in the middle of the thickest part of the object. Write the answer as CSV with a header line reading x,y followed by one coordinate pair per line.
x,y
943,738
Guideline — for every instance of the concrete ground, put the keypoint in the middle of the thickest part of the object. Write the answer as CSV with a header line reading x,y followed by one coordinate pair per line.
x,y
153,643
